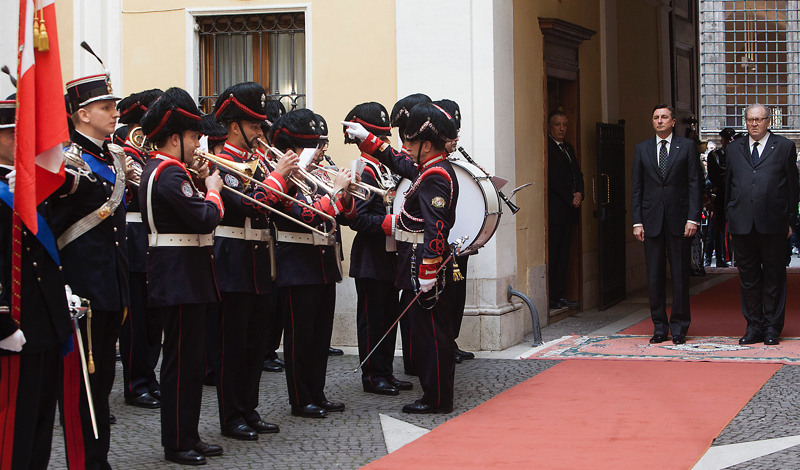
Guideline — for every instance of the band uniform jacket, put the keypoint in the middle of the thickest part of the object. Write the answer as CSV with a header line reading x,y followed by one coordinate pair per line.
x,y
244,265
179,275
678,196
564,178
44,316
135,231
763,196
429,207
368,256
96,263
301,264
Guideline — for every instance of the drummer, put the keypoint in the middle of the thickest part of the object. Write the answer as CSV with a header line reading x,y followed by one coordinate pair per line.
x,y
424,270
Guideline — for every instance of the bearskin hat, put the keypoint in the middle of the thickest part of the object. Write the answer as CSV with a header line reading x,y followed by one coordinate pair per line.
x,y
402,109
174,112
429,122
132,108
452,109
244,101
372,116
295,129
215,131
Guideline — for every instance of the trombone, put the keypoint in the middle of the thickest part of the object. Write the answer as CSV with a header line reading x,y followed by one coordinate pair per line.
x,y
364,192
307,182
246,172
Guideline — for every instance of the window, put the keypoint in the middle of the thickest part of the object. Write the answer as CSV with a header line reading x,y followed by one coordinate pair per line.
x,y
266,48
750,52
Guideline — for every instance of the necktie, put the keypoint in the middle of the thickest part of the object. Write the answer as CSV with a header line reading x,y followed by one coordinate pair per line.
x,y
662,159
566,154
754,156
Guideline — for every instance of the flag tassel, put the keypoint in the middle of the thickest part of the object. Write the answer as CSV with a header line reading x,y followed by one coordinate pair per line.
x,y
36,29
44,41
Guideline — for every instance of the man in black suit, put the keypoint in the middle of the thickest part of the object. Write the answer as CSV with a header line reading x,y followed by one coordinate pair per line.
x,y
667,184
761,206
564,197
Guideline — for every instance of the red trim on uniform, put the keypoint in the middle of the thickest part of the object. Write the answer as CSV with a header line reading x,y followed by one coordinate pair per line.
x,y
234,150
325,205
281,181
9,383
73,430
214,197
371,144
428,271
232,99
432,160
167,160
350,212
295,135
369,126
370,158
83,78
294,366
389,224
369,170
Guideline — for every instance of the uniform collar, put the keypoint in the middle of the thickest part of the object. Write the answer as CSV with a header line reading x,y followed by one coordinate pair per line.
x,y
370,159
432,161
236,151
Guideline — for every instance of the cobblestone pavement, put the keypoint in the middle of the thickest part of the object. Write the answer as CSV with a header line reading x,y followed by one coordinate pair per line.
x,y
345,440
354,438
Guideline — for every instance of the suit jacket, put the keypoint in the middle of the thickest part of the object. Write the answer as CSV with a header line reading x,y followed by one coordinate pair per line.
x,y
678,195
764,196
564,177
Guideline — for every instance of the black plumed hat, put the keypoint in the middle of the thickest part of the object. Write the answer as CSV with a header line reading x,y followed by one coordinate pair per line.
x,y
8,111
372,116
174,112
402,109
429,122
215,131
295,129
322,127
452,109
132,108
120,135
243,101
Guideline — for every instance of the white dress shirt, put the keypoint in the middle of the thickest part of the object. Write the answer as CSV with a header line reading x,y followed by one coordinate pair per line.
x,y
761,144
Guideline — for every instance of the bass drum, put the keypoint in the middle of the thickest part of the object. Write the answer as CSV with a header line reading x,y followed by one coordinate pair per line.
x,y
478,210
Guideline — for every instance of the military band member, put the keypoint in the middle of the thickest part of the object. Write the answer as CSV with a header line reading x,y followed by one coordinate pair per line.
x,y
181,283
422,230
398,118
87,216
242,262
309,266
372,263
140,336
30,349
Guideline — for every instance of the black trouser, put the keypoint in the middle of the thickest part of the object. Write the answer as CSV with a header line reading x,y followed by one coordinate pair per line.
x,y
559,237
243,343
105,331
678,249
34,379
762,271
182,371
377,309
212,341
274,326
458,295
308,325
139,342
433,348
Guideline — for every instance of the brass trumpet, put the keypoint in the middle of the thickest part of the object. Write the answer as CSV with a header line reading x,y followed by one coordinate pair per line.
x,y
246,171
365,191
139,140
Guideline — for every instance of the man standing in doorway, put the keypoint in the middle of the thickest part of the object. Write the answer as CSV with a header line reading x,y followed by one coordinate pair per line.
x,y
564,196
761,206
666,193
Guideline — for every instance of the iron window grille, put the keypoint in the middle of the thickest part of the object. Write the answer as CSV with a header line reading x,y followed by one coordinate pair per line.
x,y
266,48
750,52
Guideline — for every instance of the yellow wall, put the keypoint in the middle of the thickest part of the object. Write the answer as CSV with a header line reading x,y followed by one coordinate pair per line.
x,y
65,37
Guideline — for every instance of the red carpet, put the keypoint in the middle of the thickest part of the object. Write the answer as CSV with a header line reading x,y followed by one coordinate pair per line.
x,y
717,312
593,414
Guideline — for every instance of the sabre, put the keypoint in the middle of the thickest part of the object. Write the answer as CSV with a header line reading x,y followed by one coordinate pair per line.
x,y
458,243
76,312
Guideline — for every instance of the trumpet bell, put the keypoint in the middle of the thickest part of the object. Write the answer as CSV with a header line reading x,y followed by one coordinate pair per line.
x,y
139,140
248,168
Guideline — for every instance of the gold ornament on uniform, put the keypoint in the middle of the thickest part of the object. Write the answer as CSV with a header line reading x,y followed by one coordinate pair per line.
x,y
438,202
457,276
40,39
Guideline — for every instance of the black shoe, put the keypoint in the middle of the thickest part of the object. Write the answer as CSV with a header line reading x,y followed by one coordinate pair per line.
x,y
184,457
308,411
156,394
678,339
771,340
331,406
208,450
262,427
458,359
419,408
112,419
567,303
658,339
242,432
751,338
400,384
271,366
381,388
144,400
279,361
335,352
465,354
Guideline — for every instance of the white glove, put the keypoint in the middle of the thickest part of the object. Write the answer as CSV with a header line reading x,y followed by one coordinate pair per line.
x,y
426,284
356,131
12,180
13,342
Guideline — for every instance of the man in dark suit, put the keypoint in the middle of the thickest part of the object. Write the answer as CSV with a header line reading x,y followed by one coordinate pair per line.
x,y
564,197
667,184
761,205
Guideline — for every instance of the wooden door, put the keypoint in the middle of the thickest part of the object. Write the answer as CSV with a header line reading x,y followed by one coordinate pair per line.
x,y
608,192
